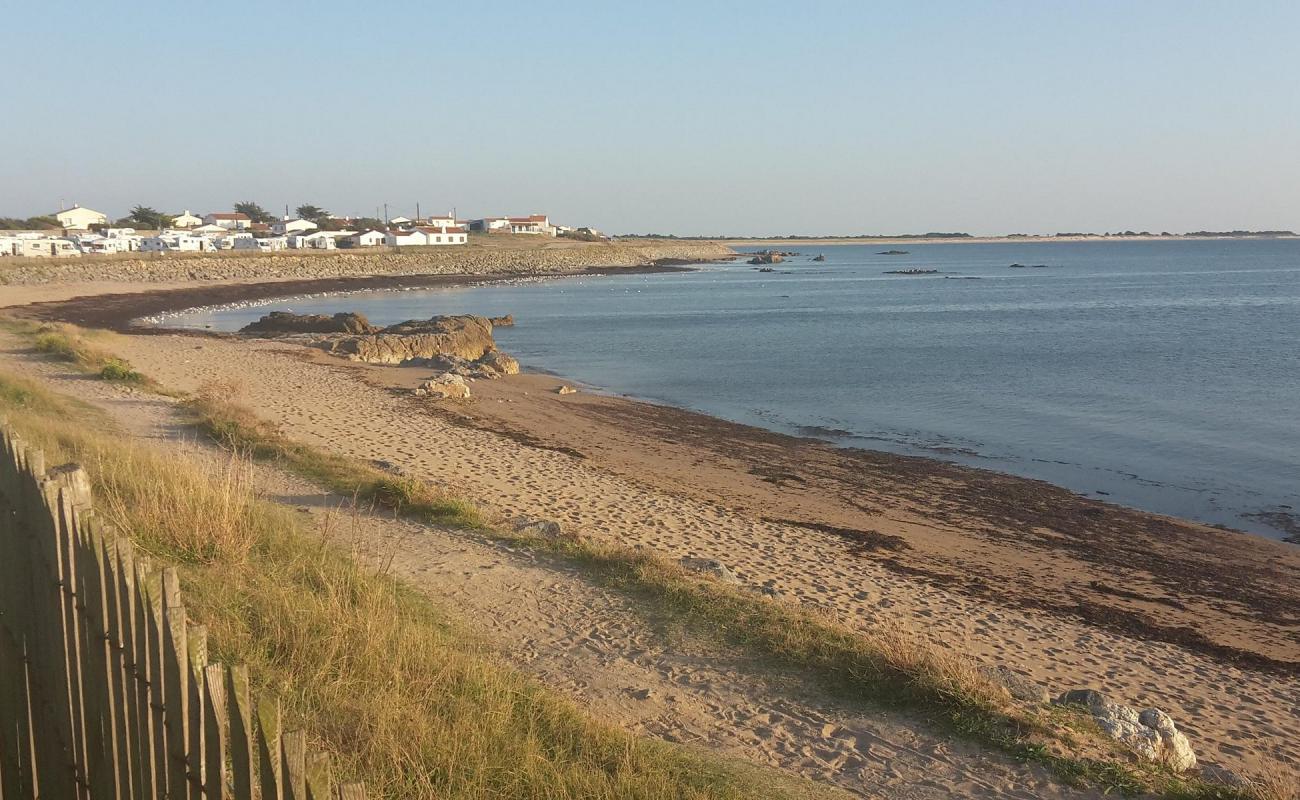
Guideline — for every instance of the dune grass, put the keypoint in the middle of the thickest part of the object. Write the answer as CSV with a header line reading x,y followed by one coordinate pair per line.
x,y
402,699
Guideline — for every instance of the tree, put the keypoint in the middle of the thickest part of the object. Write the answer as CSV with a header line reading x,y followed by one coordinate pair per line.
x,y
255,212
312,213
146,217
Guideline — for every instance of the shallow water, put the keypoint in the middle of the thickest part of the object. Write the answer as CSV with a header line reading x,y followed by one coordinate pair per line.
x,y
1161,375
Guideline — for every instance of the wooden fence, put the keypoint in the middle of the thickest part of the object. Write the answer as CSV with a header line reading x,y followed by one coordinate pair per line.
x,y
105,686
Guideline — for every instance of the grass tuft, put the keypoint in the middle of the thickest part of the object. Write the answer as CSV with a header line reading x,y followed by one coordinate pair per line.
x,y
75,346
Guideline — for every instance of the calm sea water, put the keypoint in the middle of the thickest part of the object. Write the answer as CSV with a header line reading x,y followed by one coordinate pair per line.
x,y
1161,375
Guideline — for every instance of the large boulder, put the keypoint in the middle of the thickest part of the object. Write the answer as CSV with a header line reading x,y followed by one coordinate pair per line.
x,y
499,363
1151,734
443,387
287,322
468,337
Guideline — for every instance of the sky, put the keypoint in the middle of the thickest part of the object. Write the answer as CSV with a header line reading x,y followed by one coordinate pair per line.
x,y
692,118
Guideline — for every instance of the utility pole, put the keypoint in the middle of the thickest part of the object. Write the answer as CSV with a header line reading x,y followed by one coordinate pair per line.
x,y
417,212
385,215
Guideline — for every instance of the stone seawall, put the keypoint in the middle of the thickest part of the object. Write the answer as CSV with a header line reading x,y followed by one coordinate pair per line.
x,y
470,260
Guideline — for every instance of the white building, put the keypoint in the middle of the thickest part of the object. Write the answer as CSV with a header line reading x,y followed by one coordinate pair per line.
x,y
230,220
444,235
536,224
396,238
287,226
78,218
209,230
399,221
187,220
369,238
445,221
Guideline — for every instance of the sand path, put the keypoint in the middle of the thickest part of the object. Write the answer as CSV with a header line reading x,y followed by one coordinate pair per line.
x,y
593,645
1235,717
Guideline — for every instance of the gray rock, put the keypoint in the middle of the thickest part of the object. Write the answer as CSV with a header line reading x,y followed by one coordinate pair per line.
x,y
565,389
709,566
1020,687
542,528
444,386
1083,697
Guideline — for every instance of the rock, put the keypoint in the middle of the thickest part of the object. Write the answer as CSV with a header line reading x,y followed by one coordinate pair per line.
x,y
709,566
500,363
1083,697
1213,773
1176,750
508,321
286,322
767,257
892,253
468,337
819,257
565,389
1020,687
445,386
1151,734
541,528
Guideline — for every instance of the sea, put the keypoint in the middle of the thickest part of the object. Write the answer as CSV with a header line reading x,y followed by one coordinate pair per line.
x,y
1162,375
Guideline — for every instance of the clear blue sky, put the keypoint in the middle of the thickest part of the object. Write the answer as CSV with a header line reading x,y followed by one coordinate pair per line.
x,y
685,117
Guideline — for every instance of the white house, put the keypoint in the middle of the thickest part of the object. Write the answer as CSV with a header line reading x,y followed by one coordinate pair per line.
x,y
187,220
490,225
444,235
371,238
537,224
78,218
399,221
205,230
444,221
287,226
395,238
230,220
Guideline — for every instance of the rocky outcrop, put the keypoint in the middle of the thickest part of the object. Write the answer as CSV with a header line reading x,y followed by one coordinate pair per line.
x,y
768,257
288,322
508,321
1150,734
444,387
468,337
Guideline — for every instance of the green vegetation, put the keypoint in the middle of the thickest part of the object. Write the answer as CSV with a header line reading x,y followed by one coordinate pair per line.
x,y
312,213
74,345
43,222
255,212
146,217
403,699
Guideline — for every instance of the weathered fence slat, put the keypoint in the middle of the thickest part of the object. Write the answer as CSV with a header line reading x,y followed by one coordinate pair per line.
x,y
241,734
106,692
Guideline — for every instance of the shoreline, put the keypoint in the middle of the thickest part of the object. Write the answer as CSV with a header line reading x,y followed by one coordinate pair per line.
x,y
1070,590
143,312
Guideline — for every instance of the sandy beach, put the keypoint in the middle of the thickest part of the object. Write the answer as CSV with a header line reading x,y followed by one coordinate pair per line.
x,y
1066,590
